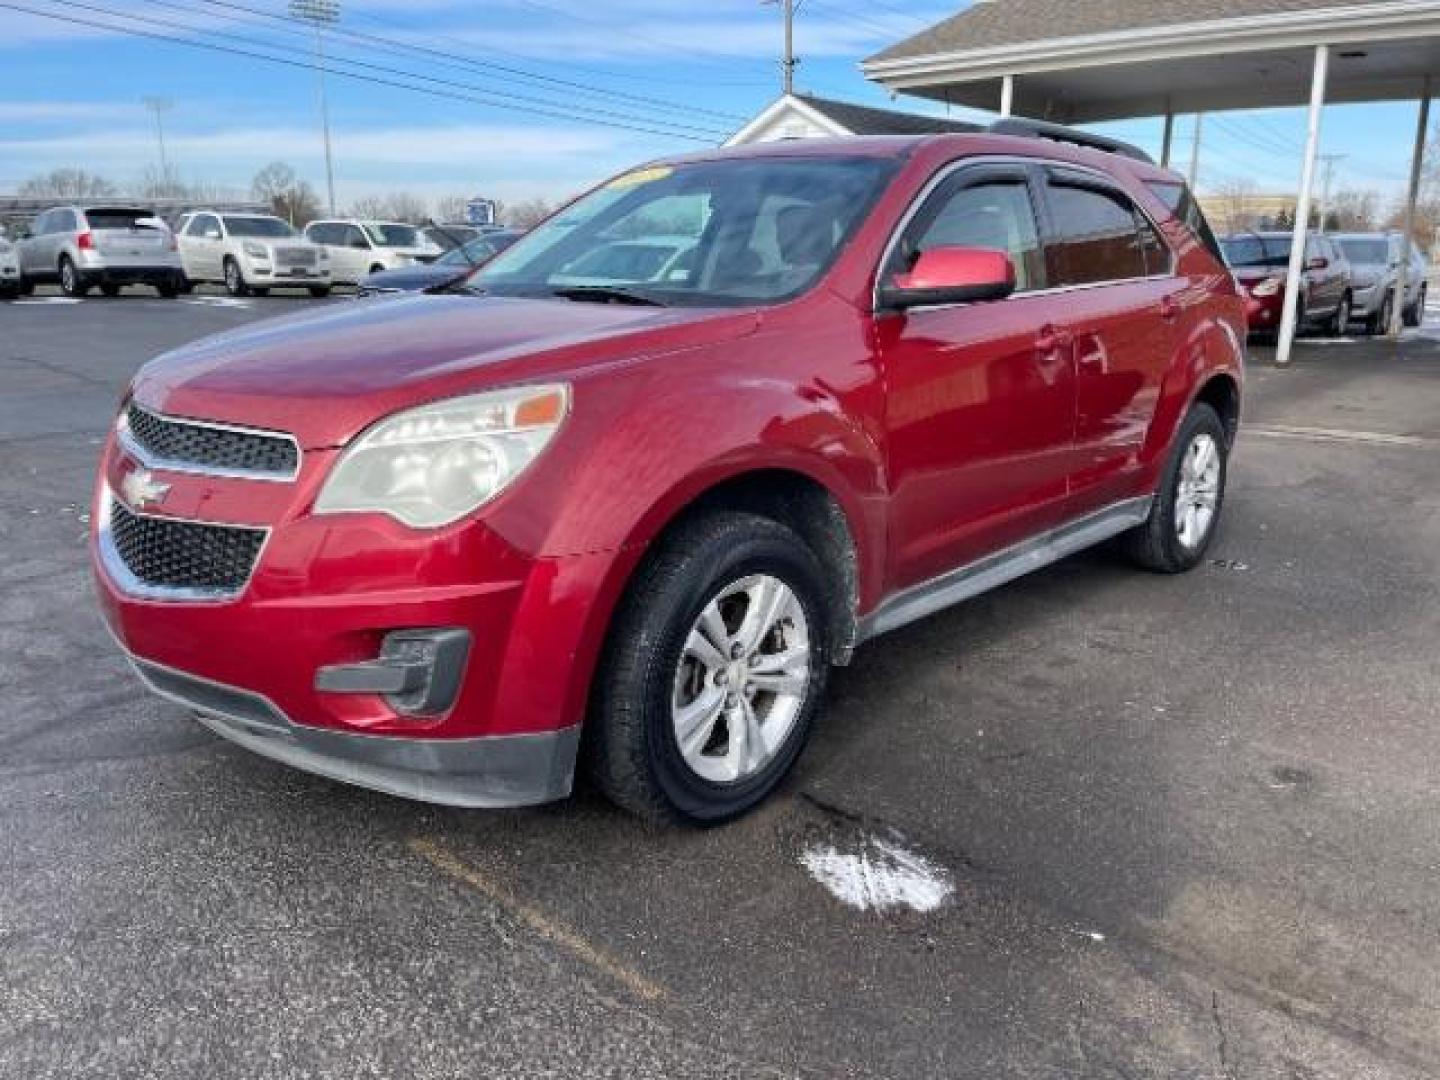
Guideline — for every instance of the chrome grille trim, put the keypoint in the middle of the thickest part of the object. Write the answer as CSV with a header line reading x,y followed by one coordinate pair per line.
x,y
151,460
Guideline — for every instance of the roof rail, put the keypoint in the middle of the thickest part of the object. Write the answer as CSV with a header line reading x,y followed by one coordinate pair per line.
x,y
1039,129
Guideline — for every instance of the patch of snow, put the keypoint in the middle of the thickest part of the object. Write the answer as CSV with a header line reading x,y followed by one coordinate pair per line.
x,y
869,873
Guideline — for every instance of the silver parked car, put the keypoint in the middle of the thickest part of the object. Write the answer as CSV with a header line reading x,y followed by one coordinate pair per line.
x,y
251,253
9,270
1375,265
358,248
104,244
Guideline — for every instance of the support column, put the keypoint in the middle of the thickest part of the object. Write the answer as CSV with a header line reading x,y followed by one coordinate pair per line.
x,y
1195,152
1007,95
1168,139
1402,279
1302,206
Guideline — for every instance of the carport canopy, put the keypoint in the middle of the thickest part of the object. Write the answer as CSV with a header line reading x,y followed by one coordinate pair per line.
x,y
1089,60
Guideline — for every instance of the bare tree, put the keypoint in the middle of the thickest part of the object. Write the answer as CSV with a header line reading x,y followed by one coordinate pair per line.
x,y
527,214
289,196
371,207
405,206
450,208
70,182
1353,210
158,183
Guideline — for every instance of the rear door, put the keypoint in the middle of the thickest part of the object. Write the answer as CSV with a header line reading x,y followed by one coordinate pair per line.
x,y
1123,303
981,397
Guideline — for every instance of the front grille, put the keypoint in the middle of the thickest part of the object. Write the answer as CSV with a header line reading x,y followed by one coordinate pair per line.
x,y
164,553
201,446
296,256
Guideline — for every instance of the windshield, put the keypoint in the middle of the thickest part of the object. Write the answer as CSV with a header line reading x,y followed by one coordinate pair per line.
x,y
731,232
1372,252
257,226
1256,250
386,235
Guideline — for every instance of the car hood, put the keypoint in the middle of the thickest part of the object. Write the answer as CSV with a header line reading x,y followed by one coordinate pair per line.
x,y
408,278
325,375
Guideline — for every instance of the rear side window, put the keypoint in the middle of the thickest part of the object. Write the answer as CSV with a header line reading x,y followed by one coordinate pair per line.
x,y
1096,235
1182,204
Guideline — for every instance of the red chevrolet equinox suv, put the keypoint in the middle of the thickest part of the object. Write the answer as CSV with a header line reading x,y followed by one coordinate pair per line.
x,y
621,498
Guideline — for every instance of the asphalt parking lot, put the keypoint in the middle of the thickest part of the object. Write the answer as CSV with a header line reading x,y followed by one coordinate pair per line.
x,y
1188,825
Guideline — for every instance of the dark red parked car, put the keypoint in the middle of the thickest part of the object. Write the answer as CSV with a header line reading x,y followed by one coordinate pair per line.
x,y
1260,261
416,544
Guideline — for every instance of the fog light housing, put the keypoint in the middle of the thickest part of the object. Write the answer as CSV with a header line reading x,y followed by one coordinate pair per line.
x,y
418,672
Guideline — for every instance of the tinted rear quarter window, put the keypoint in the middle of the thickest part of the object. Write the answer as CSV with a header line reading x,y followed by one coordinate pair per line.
x,y
118,219
1095,238
1182,204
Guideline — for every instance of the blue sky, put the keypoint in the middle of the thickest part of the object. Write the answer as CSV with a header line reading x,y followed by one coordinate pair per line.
x,y
581,75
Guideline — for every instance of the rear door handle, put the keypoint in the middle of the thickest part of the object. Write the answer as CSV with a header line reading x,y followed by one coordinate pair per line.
x,y
1053,339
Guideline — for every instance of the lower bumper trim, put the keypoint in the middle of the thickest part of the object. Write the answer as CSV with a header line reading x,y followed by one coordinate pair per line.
x,y
487,772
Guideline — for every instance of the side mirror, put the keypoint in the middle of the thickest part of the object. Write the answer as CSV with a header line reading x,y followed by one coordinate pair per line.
x,y
1319,262
951,275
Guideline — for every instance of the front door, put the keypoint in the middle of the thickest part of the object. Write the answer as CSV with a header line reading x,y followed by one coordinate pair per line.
x,y
981,397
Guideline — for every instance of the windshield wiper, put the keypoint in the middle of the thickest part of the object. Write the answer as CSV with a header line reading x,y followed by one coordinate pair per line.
x,y
607,294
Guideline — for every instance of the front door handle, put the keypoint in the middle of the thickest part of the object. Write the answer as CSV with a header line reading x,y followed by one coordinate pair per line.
x,y
1053,339
1169,308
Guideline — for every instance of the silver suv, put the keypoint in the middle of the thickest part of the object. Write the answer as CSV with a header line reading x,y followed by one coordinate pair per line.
x,y
1375,265
251,253
104,244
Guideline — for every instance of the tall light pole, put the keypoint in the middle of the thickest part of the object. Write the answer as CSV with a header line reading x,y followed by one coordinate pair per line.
x,y
1329,160
320,14
159,106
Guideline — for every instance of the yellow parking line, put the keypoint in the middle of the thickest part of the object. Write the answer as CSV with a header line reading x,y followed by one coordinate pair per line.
x,y
555,932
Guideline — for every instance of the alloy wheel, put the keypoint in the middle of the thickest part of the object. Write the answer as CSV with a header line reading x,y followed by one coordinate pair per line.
x,y
742,679
1197,495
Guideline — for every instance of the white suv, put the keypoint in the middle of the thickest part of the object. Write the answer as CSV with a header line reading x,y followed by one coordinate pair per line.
x,y
251,253
358,248
104,244
9,269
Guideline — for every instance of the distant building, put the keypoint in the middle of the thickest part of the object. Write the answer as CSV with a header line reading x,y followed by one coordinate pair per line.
x,y
802,116
1236,212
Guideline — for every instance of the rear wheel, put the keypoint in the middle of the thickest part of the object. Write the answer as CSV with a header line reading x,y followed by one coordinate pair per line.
x,y
319,291
235,279
1414,316
1340,321
714,671
109,289
26,286
1380,322
259,292
1187,507
71,283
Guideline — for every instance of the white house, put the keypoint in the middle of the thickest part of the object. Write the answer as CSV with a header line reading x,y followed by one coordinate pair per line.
x,y
801,116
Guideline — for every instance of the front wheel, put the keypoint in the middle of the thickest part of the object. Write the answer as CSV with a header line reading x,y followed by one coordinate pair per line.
x,y
110,290
1414,316
235,279
1186,509
1340,321
713,673
319,292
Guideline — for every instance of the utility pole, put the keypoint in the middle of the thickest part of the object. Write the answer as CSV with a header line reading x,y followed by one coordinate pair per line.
x,y
1195,151
789,60
320,14
159,106
1329,160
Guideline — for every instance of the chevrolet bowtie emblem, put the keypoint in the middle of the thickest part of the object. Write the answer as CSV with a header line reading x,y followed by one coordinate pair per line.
x,y
140,489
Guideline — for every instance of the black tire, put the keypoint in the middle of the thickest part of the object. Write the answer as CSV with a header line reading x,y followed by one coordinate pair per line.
x,y
1380,322
319,292
186,285
26,286
1340,321
71,281
1156,545
259,292
631,750
1415,314
235,279
109,289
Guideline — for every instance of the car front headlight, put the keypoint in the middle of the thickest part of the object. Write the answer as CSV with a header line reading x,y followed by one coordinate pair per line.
x,y
433,465
1269,287
256,251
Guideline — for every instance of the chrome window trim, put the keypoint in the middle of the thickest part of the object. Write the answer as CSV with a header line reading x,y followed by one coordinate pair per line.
x,y
127,582
960,164
154,461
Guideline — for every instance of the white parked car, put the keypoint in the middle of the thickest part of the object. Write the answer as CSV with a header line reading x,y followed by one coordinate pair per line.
x,y
358,248
9,270
251,253
104,244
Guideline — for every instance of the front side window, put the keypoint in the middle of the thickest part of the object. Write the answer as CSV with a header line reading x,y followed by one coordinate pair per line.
x,y
383,234
727,232
1096,238
992,211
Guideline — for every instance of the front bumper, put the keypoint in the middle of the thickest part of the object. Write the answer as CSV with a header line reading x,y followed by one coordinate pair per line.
x,y
492,771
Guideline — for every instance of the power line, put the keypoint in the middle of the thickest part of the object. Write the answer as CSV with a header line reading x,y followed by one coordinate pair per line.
x,y
461,60
353,76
